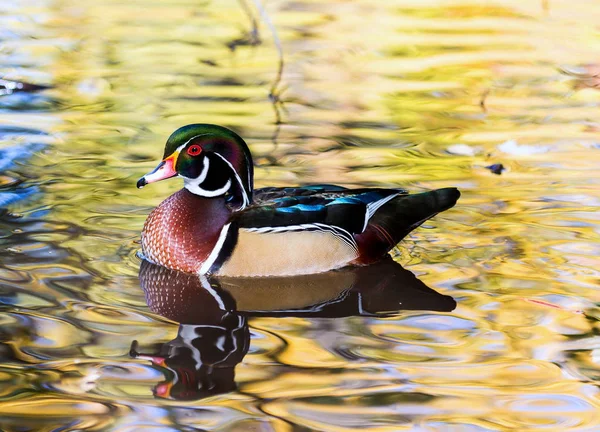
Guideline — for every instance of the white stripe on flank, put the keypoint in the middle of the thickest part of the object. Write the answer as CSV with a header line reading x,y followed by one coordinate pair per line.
x,y
340,233
215,252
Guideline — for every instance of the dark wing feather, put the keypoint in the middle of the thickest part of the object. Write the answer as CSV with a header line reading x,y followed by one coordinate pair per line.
x,y
348,209
268,194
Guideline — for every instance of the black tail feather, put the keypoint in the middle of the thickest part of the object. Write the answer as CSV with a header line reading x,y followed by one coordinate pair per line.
x,y
392,222
407,212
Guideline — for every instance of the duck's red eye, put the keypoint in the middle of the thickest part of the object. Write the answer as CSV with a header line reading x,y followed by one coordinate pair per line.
x,y
194,150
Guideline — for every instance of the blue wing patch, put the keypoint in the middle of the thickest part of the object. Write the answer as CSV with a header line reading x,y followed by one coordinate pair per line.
x,y
334,206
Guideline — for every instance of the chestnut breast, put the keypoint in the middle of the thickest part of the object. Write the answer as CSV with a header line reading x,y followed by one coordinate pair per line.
x,y
182,231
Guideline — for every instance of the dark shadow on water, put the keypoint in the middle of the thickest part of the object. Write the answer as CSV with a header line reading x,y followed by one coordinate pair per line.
x,y
213,313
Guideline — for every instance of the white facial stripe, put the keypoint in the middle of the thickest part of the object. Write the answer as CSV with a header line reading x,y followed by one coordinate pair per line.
x,y
193,187
196,181
239,180
218,192
181,147
215,253
193,184
204,173
177,152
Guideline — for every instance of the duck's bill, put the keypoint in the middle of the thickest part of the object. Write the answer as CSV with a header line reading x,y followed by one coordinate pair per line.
x,y
164,170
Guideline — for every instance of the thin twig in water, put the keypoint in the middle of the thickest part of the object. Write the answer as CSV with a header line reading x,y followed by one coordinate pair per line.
x,y
275,92
484,96
265,17
254,34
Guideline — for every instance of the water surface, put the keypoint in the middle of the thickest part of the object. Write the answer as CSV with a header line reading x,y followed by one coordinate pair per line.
x,y
414,94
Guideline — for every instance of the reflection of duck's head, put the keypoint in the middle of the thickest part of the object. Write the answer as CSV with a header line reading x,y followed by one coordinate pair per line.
x,y
214,337
202,358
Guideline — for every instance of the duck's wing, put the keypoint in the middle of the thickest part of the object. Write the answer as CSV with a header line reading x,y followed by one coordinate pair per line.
x,y
270,194
316,207
371,221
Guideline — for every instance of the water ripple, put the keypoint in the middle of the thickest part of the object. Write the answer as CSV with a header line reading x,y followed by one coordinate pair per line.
x,y
408,94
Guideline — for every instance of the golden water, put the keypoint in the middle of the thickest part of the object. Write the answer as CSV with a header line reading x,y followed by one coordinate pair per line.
x,y
414,93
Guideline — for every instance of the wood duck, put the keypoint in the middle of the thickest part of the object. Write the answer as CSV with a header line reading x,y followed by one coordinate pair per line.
x,y
217,224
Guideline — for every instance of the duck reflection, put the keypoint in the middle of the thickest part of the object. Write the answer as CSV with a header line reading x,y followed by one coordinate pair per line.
x,y
213,313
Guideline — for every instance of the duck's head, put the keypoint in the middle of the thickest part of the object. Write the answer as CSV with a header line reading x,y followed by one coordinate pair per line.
x,y
213,161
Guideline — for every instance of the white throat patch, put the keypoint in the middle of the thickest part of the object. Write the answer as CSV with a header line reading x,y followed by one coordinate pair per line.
x,y
194,184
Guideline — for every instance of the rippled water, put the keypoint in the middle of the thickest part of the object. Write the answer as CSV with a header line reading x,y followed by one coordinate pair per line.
x,y
412,93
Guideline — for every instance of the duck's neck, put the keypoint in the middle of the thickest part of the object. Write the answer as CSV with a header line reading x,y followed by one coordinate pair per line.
x,y
183,230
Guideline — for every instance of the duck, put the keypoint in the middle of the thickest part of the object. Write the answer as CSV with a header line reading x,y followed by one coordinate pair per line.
x,y
218,224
